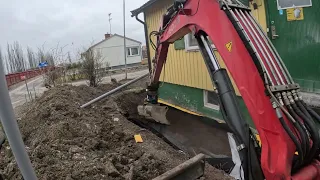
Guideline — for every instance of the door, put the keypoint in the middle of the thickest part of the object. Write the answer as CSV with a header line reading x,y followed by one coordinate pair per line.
x,y
298,41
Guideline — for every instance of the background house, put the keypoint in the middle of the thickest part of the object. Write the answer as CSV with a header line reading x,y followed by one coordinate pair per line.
x,y
186,82
112,51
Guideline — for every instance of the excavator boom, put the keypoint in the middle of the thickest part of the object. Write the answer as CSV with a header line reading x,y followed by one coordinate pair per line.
x,y
281,119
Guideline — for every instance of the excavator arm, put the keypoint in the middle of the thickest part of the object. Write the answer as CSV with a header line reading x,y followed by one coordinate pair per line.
x,y
286,126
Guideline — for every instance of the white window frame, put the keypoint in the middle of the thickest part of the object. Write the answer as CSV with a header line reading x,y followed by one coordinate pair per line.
x,y
308,5
188,47
129,50
207,104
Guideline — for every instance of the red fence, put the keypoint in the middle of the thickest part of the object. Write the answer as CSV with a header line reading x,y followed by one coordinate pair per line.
x,y
15,78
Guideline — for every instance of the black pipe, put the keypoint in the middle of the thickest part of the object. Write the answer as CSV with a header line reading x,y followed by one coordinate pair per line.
x,y
295,141
147,39
303,109
311,111
313,132
302,133
307,130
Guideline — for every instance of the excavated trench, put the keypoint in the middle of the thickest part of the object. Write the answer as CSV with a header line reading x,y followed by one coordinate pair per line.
x,y
67,142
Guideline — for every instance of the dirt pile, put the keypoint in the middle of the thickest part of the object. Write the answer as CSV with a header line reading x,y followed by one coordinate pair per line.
x,y
66,142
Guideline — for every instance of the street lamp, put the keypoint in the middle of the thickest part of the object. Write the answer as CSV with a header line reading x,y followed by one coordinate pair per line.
x,y
124,37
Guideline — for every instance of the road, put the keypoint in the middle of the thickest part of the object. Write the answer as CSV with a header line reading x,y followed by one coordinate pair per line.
x,y
19,94
118,77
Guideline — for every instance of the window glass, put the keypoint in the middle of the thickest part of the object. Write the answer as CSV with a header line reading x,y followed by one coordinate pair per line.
x,y
213,98
134,51
191,42
285,4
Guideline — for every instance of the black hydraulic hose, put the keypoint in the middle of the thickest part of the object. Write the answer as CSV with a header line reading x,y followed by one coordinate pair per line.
x,y
313,132
302,133
295,141
303,109
311,111
307,130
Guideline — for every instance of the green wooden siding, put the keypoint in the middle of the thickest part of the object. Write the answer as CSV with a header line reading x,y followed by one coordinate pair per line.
x,y
193,100
299,44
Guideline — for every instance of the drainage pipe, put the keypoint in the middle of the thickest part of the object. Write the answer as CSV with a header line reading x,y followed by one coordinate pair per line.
x,y
113,91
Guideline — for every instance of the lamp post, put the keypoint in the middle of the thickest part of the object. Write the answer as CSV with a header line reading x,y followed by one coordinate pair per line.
x,y
124,37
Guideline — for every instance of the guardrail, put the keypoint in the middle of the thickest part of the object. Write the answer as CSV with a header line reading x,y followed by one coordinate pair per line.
x,y
15,78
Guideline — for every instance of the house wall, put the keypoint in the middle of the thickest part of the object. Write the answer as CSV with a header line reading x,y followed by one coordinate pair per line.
x,y
112,51
182,68
185,75
186,67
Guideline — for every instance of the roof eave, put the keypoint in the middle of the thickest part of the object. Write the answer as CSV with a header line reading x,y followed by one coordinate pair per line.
x,y
142,8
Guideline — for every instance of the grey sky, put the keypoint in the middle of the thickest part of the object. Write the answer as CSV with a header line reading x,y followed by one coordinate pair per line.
x,y
75,23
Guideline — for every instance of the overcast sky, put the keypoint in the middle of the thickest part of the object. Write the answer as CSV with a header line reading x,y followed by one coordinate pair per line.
x,y
74,23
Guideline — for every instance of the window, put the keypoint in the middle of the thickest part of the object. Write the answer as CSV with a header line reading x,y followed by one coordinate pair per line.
x,y
191,42
211,100
285,4
133,51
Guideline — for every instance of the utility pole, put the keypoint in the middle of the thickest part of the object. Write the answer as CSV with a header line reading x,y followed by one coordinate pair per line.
x,y
110,21
10,127
124,37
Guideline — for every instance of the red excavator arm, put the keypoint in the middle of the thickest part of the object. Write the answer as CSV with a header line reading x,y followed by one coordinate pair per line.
x,y
285,124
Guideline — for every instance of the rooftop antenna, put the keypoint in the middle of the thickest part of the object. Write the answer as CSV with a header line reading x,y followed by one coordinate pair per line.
x,y
110,21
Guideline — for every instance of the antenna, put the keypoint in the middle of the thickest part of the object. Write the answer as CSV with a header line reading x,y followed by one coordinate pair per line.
x,y
110,21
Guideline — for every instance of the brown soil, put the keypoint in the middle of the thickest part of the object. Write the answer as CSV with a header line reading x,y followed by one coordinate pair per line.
x,y
67,142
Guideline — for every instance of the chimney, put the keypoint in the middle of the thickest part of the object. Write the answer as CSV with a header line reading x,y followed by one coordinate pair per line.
x,y
106,36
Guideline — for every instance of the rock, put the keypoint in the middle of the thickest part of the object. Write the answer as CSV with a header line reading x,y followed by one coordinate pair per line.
x,y
113,80
124,160
75,149
69,177
91,143
78,157
111,170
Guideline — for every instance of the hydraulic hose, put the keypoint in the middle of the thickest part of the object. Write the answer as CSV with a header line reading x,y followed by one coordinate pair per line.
x,y
286,127
313,132
303,109
311,111
302,133
295,141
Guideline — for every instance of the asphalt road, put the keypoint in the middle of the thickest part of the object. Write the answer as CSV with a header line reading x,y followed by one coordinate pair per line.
x,y
19,94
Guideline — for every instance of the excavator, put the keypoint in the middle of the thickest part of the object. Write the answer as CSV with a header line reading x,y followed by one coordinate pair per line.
x,y
287,127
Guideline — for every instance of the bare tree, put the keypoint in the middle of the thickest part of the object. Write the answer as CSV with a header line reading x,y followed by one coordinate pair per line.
x,y
2,60
69,58
31,58
40,55
53,56
92,66
10,58
15,57
18,56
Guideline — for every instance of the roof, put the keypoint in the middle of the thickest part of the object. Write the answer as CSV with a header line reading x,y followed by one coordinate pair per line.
x,y
113,36
143,7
